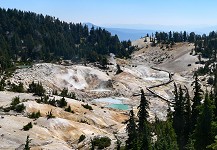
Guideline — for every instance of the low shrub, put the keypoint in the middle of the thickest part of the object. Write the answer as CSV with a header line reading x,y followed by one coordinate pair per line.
x,y
28,126
6,109
35,115
50,115
210,81
15,101
37,89
15,105
65,93
84,121
87,106
20,108
52,102
101,142
62,102
17,88
68,109
81,138
2,85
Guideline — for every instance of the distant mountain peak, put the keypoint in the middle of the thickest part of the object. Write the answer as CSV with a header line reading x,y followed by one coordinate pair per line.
x,y
123,33
90,25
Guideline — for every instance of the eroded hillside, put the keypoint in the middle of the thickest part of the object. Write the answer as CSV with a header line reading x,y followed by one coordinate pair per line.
x,y
62,131
153,69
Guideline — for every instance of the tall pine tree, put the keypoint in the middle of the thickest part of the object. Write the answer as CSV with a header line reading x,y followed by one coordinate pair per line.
x,y
196,101
187,115
203,133
166,136
215,91
143,130
178,118
131,142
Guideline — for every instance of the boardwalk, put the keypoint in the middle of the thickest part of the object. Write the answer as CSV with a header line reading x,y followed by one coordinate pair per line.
x,y
152,92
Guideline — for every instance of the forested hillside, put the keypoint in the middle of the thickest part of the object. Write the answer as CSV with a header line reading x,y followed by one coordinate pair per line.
x,y
191,123
26,36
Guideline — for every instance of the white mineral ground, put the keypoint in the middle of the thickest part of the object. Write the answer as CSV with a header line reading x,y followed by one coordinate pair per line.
x,y
88,83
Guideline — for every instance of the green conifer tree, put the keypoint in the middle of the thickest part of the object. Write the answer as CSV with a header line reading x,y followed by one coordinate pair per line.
x,y
215,91
144,141
203,133
179,119
196,101
28,141
187,115
131,142
166,136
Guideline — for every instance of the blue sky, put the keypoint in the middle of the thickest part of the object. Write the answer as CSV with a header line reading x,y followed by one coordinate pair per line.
x,y
121,12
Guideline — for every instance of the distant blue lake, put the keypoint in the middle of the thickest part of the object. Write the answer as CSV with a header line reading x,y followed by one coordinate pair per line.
x,y
119,106
115,102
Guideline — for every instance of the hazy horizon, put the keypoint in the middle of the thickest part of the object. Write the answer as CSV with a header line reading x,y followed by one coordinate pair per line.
x,y
125,13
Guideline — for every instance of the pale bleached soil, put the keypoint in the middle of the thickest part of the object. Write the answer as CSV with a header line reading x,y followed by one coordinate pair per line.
x,y
88,83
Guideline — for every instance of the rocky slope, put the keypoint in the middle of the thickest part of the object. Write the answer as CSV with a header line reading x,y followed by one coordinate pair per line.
x,y
148,68
62,131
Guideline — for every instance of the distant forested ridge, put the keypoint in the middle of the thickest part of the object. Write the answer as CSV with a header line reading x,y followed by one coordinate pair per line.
x,y
206,47
27,36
